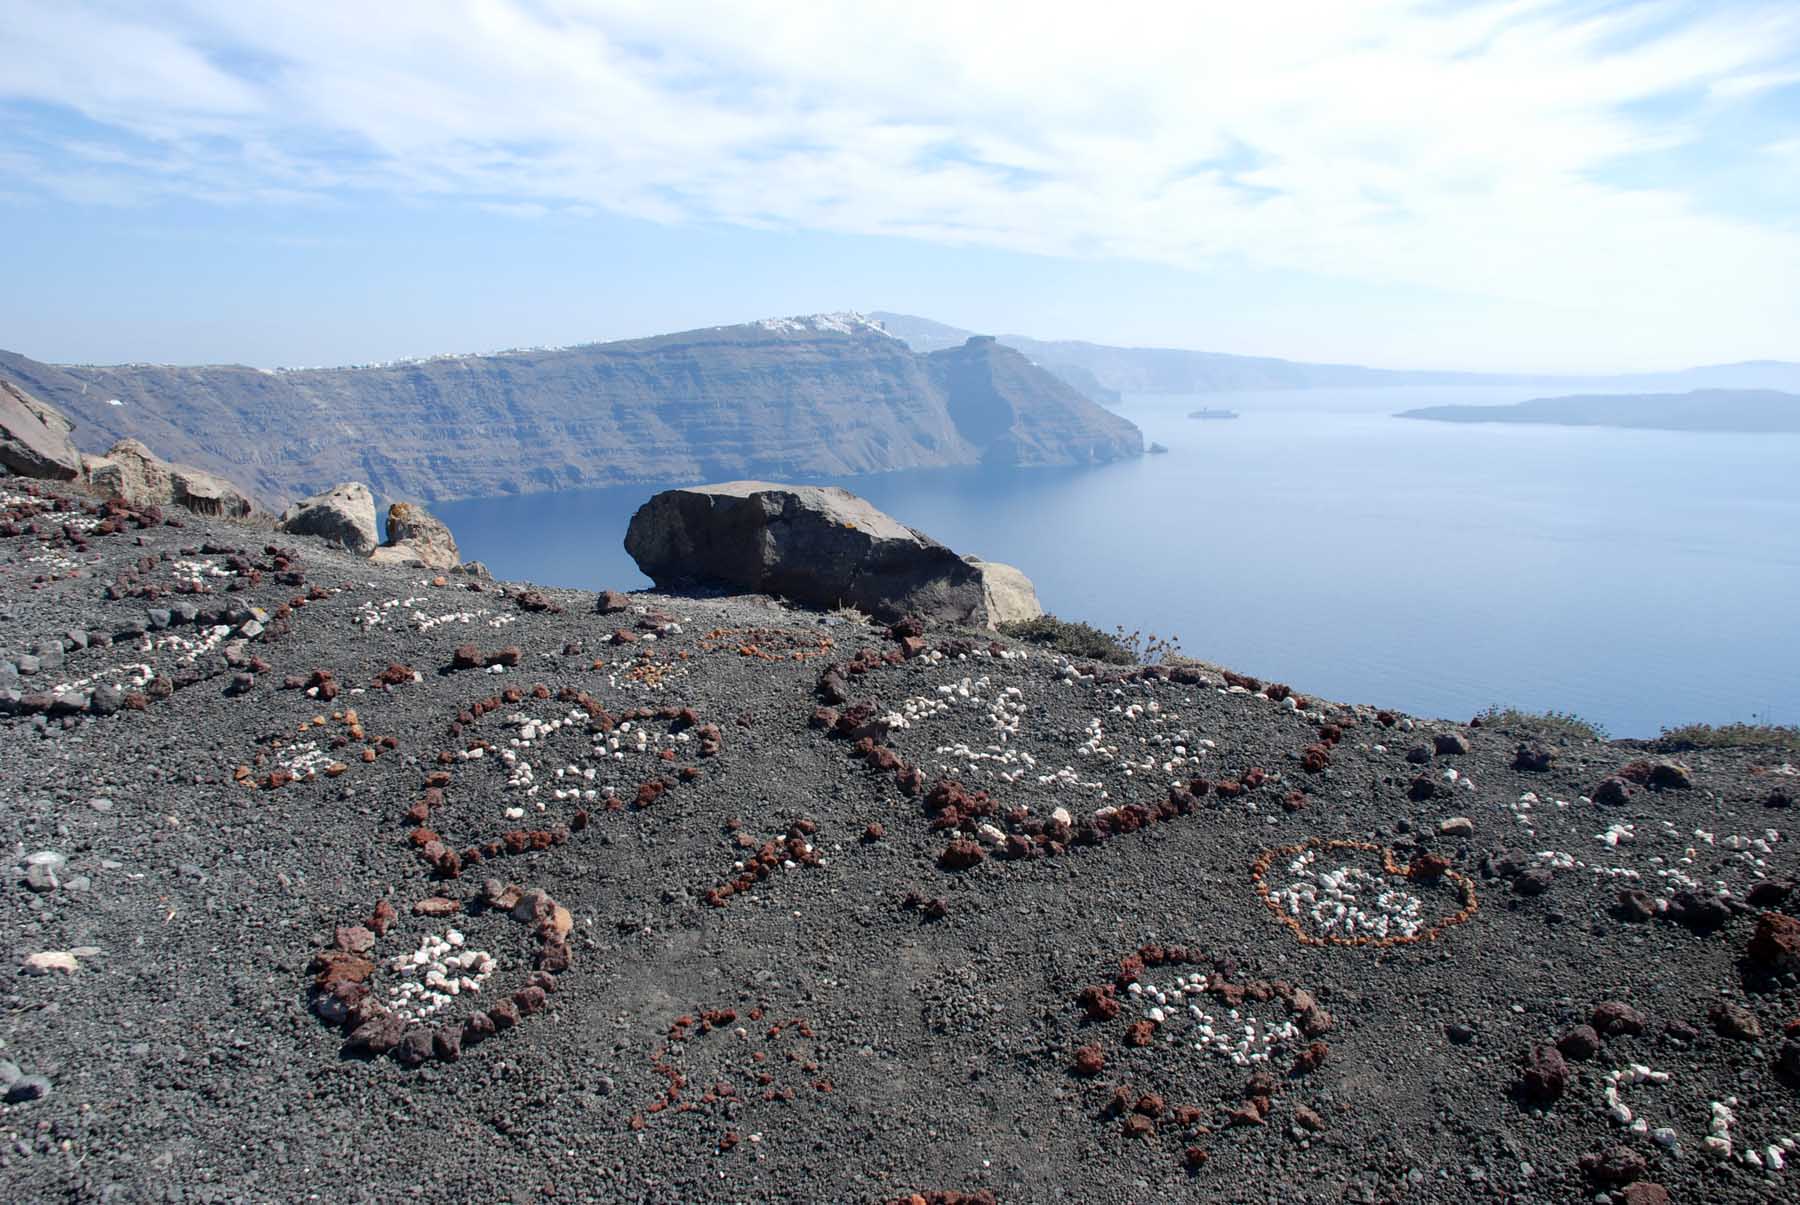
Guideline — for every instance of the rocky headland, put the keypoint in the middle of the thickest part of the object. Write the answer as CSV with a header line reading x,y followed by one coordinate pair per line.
x,y
784,398
337,875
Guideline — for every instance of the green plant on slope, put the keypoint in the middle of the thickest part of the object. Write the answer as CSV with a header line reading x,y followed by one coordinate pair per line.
x,y
1551,725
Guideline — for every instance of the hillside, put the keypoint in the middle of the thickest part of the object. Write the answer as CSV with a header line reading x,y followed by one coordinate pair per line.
x,y
744,902
825,396
1755,410
1113,370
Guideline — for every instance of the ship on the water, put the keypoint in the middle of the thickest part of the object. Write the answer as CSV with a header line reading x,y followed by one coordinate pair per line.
x,y
1203,412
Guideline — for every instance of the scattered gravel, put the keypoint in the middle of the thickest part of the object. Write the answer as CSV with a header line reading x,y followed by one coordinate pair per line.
x,y
756,903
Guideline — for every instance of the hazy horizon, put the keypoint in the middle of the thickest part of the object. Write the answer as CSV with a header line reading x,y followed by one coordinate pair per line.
x,y
1544,186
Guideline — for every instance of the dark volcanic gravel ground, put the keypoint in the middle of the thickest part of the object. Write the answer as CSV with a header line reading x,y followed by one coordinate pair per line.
x,y
811,1036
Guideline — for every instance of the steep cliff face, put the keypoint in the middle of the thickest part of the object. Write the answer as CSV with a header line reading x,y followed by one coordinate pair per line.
x,y
787,398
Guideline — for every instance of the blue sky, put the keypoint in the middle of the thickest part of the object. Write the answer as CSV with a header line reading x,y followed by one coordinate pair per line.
x,y
1522,184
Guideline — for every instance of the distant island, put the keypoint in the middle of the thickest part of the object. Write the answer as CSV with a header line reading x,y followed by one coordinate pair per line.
x,y
1755,410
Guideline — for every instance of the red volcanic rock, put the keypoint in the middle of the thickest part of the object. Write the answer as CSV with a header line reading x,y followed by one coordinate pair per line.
x,y
961,854
1614,1017
479,1026
529,1000
446,1045
504,1015
1581,1042
1428,867
874,832
1643,1192
1193,1158
1136,1125
1149,1104
1612,791
1775,946
1089,1061
413,1048
436,906
377,1036
510,655
334,967
382,918
466,656
1140,1033
1312,1058
354,939
649,791
1617,1165
394,675
1546,1075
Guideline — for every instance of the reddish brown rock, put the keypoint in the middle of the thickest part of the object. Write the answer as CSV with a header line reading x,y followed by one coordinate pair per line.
x,y
1775,946
1614,1017
413,1048
1581,1042
1089,1061
382,918
1546,1075
961,854
1734,1021
1616,1165
377,1036
1140,1033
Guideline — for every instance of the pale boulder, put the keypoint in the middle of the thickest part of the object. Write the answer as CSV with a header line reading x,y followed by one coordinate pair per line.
x,y
135,475
343,515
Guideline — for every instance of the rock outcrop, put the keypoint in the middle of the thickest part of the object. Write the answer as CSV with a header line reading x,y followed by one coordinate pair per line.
x,y
134,474
343,515
414,534
821,546
826,396
34,438
1006,592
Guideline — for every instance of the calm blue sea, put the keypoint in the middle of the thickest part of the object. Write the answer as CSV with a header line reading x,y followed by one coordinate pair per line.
x,y
1637,578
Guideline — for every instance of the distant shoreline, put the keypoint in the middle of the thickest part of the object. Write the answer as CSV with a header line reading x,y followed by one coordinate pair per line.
x,y
1741,411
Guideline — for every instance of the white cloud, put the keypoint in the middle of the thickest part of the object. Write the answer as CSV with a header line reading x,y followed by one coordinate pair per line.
x,y
1459,147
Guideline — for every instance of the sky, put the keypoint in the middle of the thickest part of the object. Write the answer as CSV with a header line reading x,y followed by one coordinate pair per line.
x,y
1535,185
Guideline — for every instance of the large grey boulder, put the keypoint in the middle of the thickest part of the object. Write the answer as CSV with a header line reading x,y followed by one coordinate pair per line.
x,y
34,438
414,534
824,547
135,475
343,514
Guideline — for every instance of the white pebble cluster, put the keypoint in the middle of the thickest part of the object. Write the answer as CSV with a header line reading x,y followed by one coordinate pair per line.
x,y
1243,1040
1621,1113
441,969
186,649
1349,901
195,573
305,758
130,676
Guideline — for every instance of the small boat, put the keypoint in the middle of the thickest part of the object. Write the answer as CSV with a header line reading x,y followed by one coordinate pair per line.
x,y
1205,413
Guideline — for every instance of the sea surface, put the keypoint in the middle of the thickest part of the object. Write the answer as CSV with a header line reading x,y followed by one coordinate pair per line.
x,y
1639,579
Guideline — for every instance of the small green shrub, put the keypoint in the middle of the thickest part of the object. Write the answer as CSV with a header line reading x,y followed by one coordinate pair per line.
x,y
1552,725
1082,641
1783,737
